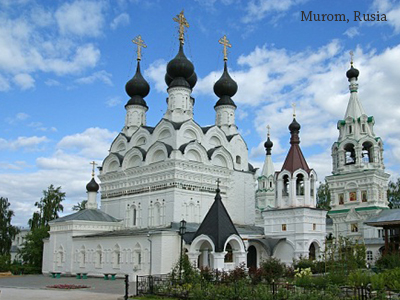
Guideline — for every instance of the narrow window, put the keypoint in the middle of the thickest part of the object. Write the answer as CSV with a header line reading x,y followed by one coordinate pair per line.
x,y
354,227
238,159
314,226
283,227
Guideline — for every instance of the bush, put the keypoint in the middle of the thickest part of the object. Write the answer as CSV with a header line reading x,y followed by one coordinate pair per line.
x,y
388,261
359,278
5,261
273,269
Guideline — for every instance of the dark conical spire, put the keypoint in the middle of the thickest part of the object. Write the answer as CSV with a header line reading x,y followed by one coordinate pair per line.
x,y
180,71
137,88
217,224
92,186
353,72
225,88
294,129
268,144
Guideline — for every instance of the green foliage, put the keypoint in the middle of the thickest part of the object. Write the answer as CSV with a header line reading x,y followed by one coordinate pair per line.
x,y
343,255
272,269
317,267
80,206
5,262
323,196
359,278
388,261
7,231
49,206
393,194
378,282
392,278
303,277
32,249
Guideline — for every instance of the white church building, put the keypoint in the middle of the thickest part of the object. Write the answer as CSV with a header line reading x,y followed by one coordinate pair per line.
x,y
156,176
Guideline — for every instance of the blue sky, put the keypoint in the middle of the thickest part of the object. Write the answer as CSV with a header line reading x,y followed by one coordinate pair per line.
x,y
64,65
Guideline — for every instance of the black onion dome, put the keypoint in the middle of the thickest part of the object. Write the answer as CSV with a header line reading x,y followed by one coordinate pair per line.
x,y
352,73
92,186
180,67
294,126
137,86
225,86
268,144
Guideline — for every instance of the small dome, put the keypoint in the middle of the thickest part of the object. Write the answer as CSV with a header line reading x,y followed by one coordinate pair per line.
x,y
180,66
294,126
352,73
225,86
268,144
137,86
92,186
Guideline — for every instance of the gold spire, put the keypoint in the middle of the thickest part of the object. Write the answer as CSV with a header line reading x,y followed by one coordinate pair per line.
x,y
294,109
268,128
93,163
224,41
351,57
140,43
181,20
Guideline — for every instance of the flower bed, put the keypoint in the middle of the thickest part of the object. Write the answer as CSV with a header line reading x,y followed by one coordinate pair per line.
x,y
68,286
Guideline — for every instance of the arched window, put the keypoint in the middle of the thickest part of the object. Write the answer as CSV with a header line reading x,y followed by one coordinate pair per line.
x,y
312,183
60,256
367,155
300,185
285,191
116,257
229,253
82,257
98,257
350,154
134,215
157,214
311,252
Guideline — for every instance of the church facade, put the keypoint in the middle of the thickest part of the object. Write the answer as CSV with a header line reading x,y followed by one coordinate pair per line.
x,y
155,177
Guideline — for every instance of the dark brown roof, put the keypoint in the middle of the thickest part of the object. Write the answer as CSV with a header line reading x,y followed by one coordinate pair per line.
x,y
295,160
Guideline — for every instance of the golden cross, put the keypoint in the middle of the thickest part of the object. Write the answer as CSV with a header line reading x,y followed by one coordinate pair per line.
x,y
94,164
181,20
294,109
268,128
224,41
351,57
218,182
140,43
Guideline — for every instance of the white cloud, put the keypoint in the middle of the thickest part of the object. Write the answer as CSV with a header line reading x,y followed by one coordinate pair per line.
x,y
4,84
28,143
156,73
52,82
113,101
258,9
17,118
39,126
93,142
120,20
82,18
25,81
392,11
102,76
352,32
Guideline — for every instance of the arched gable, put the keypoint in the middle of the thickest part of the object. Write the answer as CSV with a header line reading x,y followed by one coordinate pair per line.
x,y
191,131
140,139
163,130
236,242
112,162
198,241
302,172
221,157
215,137
134,158
159,151
120,143
280,175
195,151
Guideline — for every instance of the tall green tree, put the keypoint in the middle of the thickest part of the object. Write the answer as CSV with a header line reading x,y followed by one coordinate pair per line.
x,y
323,196
48,208
7,231
393,193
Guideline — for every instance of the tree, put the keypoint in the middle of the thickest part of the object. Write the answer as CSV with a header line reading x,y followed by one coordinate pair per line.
x,y
323,196
80,206
7,231
393,194
49,206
